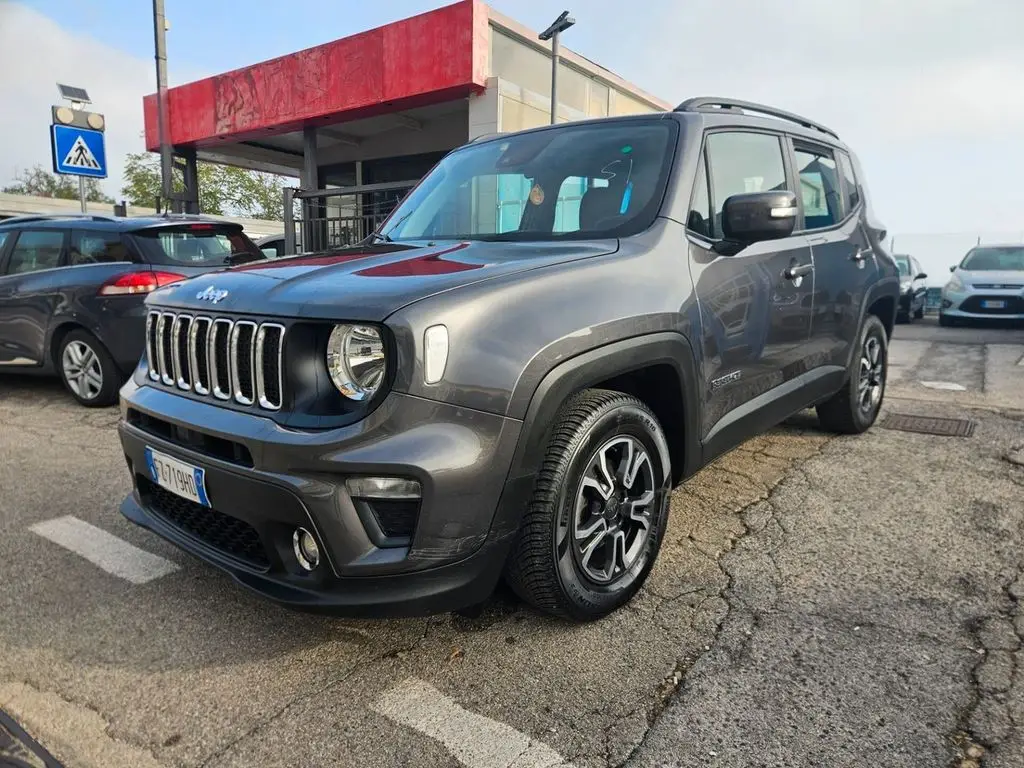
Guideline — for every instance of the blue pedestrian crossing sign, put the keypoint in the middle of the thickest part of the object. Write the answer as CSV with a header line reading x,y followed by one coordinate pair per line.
x,y
78,151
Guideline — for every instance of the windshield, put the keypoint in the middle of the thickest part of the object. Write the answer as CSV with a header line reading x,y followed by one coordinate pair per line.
x,y
198,245
570,182
903,263
993,259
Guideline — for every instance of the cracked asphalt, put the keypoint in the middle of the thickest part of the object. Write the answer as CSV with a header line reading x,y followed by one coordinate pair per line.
x,y
818,601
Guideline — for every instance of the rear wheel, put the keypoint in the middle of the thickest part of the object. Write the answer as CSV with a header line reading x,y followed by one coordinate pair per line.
x,y
854,408
919,314
595,522
88,370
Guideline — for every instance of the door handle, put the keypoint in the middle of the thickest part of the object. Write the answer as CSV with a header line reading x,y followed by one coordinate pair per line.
x,y
860,255
795,271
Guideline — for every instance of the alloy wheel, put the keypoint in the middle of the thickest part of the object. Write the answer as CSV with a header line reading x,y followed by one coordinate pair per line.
x,y
611,518
872,375
82,370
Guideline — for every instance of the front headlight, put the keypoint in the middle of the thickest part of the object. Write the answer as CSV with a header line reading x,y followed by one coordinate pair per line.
x,y
355,360
955,283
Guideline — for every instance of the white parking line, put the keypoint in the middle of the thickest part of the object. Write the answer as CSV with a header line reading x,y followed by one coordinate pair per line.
x,y
475,741
110,553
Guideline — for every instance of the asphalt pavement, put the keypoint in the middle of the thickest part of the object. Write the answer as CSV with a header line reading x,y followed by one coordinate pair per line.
x,y
818,601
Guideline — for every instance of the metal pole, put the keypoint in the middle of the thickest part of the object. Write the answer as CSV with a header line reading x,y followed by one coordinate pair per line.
x,y
289,222
554,78
160,44
81,192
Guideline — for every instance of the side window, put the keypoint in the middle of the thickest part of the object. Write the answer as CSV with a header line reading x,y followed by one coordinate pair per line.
x,y
742,163
3,239
35,250
97,248
819,187
698,220
849,180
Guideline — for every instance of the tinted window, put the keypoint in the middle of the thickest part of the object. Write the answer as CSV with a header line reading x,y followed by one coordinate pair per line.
x,y
197,245
35,250
571,181
819,188
995,258
699,218
742,163
3,239
849,181
96,248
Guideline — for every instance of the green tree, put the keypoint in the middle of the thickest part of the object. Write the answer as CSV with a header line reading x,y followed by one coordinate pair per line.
x,y
223,189
42,183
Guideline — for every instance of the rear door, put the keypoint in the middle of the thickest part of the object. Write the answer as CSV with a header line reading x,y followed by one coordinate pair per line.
x,y
844,264
755,321
29,294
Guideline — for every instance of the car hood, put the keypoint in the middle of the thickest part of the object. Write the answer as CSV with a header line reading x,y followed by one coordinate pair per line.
x,y
366,283
992,277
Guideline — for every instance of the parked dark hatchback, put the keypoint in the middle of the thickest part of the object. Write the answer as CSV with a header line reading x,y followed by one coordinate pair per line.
x,y
553,329
72,290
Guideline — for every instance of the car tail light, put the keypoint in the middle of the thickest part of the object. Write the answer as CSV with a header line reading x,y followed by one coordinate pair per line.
x,y
132,283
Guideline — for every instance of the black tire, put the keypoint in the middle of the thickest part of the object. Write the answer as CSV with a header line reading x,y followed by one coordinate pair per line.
x,y
86,393
544,567
919,314
851,411
945,321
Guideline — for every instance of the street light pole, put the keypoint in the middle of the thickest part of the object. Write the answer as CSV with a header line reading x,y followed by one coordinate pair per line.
x,y
160,44
562,23
81,193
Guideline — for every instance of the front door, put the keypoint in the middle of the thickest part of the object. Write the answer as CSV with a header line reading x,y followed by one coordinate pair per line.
x,y
27,295
755,313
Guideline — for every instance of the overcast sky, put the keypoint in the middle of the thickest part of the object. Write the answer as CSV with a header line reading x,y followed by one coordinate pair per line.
x,y
930,93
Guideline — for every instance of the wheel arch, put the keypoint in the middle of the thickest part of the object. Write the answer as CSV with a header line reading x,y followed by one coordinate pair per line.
x,y
659,369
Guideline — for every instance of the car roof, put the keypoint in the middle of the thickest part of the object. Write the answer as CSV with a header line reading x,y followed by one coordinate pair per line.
x,y
109,223
713,113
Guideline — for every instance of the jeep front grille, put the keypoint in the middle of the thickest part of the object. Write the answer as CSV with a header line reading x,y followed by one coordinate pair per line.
x,y
214,356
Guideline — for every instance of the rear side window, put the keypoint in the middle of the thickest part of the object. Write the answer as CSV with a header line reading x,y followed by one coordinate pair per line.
x,y
849,180
742,163
36,250
197,245
96,248
819,187
3,239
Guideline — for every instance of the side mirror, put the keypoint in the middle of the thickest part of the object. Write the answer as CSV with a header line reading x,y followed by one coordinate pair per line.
x,y
922,276
751,218
953,268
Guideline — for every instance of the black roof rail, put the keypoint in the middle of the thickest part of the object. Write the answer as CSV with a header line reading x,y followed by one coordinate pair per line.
x,y
29,217
716,104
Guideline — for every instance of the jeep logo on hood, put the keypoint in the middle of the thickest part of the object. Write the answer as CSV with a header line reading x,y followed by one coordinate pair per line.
x,y
212,295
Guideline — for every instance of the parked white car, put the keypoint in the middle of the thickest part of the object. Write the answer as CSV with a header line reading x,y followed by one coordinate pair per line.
x,y
988,284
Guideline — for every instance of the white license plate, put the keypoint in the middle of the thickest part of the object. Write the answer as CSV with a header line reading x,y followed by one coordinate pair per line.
x,y
993,304
185,480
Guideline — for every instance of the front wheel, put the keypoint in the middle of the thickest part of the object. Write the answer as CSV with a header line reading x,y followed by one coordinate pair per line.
x,y
595,522
854,408
919,314
87,370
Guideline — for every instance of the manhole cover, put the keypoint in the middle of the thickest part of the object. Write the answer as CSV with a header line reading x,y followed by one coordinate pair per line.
x,y
19,750
929,425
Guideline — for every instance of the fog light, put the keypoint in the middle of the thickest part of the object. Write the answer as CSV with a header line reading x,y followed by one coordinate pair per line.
x,y
383,488
306,550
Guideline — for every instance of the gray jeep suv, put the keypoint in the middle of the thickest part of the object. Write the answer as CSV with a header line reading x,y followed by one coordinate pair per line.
x,y
548,334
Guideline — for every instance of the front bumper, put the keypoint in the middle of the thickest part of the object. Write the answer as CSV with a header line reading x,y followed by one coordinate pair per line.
x,y
974,304
275,480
